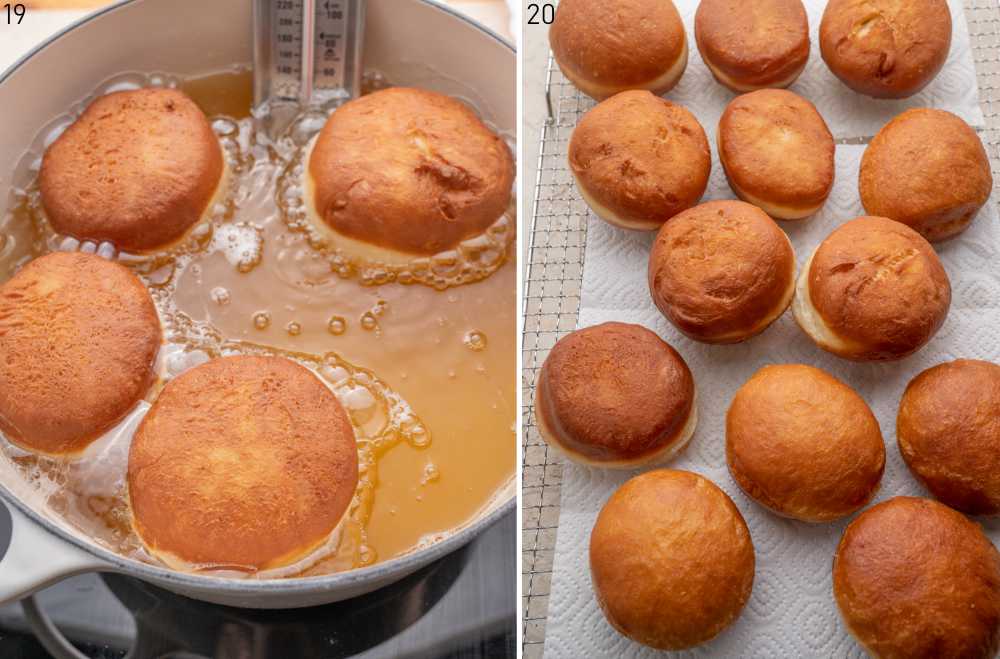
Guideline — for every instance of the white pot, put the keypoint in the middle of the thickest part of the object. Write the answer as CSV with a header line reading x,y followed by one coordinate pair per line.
x,y
416,42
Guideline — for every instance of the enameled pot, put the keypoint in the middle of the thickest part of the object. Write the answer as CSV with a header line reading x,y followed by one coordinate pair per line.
x,y
416,42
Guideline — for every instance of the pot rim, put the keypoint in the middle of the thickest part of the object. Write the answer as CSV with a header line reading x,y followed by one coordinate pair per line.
x,y
411,560
20,61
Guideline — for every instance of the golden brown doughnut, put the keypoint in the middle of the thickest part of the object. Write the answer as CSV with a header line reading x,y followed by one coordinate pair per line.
x,y
803,443
753,45
671,560
927,169
873,290
138,168
609,47
78,341
885,48
244,463
722,271
403,172
914,578
638,160
615,395
948,429
777,153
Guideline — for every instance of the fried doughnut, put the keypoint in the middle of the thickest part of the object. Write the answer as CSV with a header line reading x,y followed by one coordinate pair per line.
x,y
927,169
615,395
78,337
914,578
402,173
803,443
609,47
722,271
638,160
245,463
671,560
874,290
948,429
885,48
138,169
753,45
777,153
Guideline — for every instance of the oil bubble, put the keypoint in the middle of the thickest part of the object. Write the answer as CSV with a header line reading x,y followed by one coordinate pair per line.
x,y
68,244
475,340
262,320
105,250
335,375
305,126
368,321
337,325
418,437
178,362
431,473
366,555
360,404
293,328
242,244
221,296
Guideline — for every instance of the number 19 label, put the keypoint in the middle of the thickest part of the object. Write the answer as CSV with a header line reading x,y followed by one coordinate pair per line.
x,y
15,13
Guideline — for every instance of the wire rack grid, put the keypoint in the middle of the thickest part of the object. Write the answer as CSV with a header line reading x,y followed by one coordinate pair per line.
x,y
557,236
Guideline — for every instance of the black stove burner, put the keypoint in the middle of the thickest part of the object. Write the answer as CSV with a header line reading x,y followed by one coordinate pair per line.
x,y
461,606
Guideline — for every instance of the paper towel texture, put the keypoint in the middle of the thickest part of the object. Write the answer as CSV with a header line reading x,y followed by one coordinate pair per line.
x,y
847,113
791,612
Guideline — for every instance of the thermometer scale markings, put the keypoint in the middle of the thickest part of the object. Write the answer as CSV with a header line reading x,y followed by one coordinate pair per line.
x,y
310,44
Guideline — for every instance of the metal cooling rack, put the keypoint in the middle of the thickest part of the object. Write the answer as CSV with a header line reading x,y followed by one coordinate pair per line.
x,y
557,237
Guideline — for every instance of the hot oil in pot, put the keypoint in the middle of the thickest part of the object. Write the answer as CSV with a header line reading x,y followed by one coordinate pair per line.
x,y
425,370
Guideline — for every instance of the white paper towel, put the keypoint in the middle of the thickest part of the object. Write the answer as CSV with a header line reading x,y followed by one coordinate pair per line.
x,y
848,114
791,612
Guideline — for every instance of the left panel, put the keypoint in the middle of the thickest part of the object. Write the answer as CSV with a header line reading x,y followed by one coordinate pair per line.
x,y
258,347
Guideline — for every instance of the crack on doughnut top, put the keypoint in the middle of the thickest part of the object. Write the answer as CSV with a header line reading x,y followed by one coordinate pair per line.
x,y
137,168
410,170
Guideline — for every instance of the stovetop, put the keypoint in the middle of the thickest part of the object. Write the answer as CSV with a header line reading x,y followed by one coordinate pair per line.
x,y
462,606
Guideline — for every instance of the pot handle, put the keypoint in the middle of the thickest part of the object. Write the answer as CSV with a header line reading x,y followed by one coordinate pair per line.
x,y
36,558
